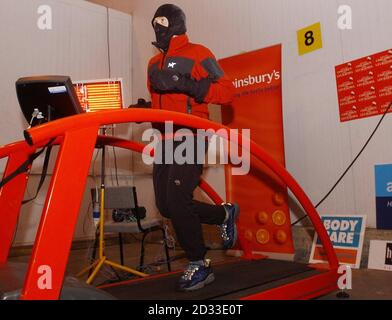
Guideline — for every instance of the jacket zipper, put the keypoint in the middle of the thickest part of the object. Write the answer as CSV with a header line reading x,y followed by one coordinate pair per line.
x,y
161,67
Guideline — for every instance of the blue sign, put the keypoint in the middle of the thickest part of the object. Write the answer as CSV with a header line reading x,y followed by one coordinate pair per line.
x,y
344,232
383,175
384,181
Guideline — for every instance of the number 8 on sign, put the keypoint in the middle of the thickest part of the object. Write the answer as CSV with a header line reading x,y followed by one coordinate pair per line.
x,y
309,39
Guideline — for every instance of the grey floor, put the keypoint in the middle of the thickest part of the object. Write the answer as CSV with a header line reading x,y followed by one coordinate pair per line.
x,y
367,284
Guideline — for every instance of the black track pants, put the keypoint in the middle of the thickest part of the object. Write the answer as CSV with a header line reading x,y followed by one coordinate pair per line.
x,y
174,185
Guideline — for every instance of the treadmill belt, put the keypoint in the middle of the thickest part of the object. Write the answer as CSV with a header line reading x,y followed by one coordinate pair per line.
x,y
230,279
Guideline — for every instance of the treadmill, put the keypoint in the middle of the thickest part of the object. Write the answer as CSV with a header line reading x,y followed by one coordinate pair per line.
x,y
248,278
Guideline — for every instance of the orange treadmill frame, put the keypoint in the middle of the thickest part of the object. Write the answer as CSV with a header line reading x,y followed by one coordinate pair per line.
x,y
77,137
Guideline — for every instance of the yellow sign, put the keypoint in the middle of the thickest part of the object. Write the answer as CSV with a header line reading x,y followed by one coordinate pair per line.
x,y
309,39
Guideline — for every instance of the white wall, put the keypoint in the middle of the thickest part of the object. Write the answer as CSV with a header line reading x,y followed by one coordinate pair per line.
x,y
318,146
76,46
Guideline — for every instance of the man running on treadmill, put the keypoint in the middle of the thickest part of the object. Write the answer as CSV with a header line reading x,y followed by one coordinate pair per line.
x,y
185,77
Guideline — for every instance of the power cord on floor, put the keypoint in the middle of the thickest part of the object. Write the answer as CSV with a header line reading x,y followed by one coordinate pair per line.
x,y
170,241
160,262
349,167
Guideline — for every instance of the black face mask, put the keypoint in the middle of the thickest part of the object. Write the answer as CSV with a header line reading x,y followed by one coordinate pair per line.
x,y
162,36
177,25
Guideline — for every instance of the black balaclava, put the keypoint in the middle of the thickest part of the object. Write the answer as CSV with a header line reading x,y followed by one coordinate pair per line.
x,y
177,25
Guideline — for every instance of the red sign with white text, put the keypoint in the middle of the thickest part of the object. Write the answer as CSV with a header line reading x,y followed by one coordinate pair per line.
x,y
365,86
264,222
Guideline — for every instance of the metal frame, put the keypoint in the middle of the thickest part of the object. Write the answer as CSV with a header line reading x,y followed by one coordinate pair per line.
x,y
79,137
142,230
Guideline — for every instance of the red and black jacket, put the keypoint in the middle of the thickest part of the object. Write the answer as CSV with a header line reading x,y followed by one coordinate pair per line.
x,y
199,62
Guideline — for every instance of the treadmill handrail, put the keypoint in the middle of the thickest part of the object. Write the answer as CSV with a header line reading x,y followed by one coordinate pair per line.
x,y
57,128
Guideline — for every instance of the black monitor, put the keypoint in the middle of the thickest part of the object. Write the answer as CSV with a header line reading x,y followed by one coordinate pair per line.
x,y
47,98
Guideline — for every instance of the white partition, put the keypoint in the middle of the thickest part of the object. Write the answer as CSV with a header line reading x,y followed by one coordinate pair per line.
x,y
77,45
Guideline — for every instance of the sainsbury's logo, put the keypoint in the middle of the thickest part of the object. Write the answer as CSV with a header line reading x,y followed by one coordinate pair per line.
x,y
258,79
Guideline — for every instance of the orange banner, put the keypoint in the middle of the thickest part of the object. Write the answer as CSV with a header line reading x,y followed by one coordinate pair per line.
x,y
265,220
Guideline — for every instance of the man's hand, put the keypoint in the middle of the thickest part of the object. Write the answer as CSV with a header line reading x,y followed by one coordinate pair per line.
x,y
164,80
169,81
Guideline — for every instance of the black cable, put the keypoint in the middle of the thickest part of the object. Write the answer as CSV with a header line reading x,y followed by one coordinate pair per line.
x,y
108,40
110,75
43,175
94,162
16,231
115,158
24,167
115,165
349,167
86,216
163,262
